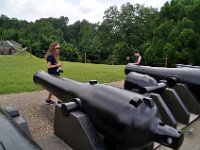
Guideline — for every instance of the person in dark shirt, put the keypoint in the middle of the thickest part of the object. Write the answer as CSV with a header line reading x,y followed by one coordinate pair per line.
x,y
52,57
136,53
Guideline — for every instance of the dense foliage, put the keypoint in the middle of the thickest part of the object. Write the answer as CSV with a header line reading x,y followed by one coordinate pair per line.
x,y
176,34
172,33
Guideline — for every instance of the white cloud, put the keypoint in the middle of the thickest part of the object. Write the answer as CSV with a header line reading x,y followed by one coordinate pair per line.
x,y
91,10
34,9
31,10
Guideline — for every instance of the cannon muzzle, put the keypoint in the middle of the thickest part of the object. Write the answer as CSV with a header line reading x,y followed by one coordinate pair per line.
x,y
143,82
168,136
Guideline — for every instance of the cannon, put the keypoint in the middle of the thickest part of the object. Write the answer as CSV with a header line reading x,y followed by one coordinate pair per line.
x,y
12,136
185,75
120,119
164,98
181,94
142,83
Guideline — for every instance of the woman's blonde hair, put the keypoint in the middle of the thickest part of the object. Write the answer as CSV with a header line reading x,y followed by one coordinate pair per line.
x,y
51,51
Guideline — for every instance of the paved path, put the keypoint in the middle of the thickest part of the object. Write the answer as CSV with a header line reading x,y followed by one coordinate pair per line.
x,y
40,118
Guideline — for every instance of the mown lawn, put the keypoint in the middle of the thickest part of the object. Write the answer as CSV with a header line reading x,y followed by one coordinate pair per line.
x,y
16,72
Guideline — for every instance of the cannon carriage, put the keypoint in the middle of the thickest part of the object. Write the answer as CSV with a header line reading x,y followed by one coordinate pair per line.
x,y
174,90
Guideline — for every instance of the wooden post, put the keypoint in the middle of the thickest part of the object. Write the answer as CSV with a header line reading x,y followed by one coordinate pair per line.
x,y
85,57
113,59
30,51
166,62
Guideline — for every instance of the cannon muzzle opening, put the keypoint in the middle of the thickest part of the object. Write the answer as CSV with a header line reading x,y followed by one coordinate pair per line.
x,y
168,136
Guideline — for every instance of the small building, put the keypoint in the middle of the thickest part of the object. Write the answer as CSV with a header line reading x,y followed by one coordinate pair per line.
x,y
9,47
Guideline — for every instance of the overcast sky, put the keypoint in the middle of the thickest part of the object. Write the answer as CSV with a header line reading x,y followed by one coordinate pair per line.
x,y
91,10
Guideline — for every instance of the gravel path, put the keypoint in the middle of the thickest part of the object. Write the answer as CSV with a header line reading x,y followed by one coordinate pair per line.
x,y
33,109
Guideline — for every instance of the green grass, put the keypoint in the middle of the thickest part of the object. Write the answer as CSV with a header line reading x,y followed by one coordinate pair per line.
x,y
16,72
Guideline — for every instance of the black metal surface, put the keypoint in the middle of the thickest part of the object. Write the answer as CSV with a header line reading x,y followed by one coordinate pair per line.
x,y
172,104
166,114
12,137
14,113
77,130
187,98
130,119
184,75
143,83
176,105
69,107
141,80
189,76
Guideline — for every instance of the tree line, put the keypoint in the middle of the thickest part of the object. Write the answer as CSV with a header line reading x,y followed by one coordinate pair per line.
x,y
172,32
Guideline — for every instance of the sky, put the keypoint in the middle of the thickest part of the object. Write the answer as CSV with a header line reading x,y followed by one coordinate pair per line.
x,y
91,10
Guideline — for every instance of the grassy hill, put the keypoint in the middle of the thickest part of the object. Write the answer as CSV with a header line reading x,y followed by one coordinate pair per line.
x,y
16,72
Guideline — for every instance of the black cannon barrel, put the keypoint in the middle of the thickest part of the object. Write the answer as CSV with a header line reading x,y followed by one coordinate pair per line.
x,y
143,82
184,75
129,118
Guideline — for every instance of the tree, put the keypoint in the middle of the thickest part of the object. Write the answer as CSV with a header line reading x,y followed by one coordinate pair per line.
x,y
69,53
10,34
172,32
176,32
123,30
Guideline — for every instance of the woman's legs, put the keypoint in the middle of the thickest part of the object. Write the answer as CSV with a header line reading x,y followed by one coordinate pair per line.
x,y
48,100
49,96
